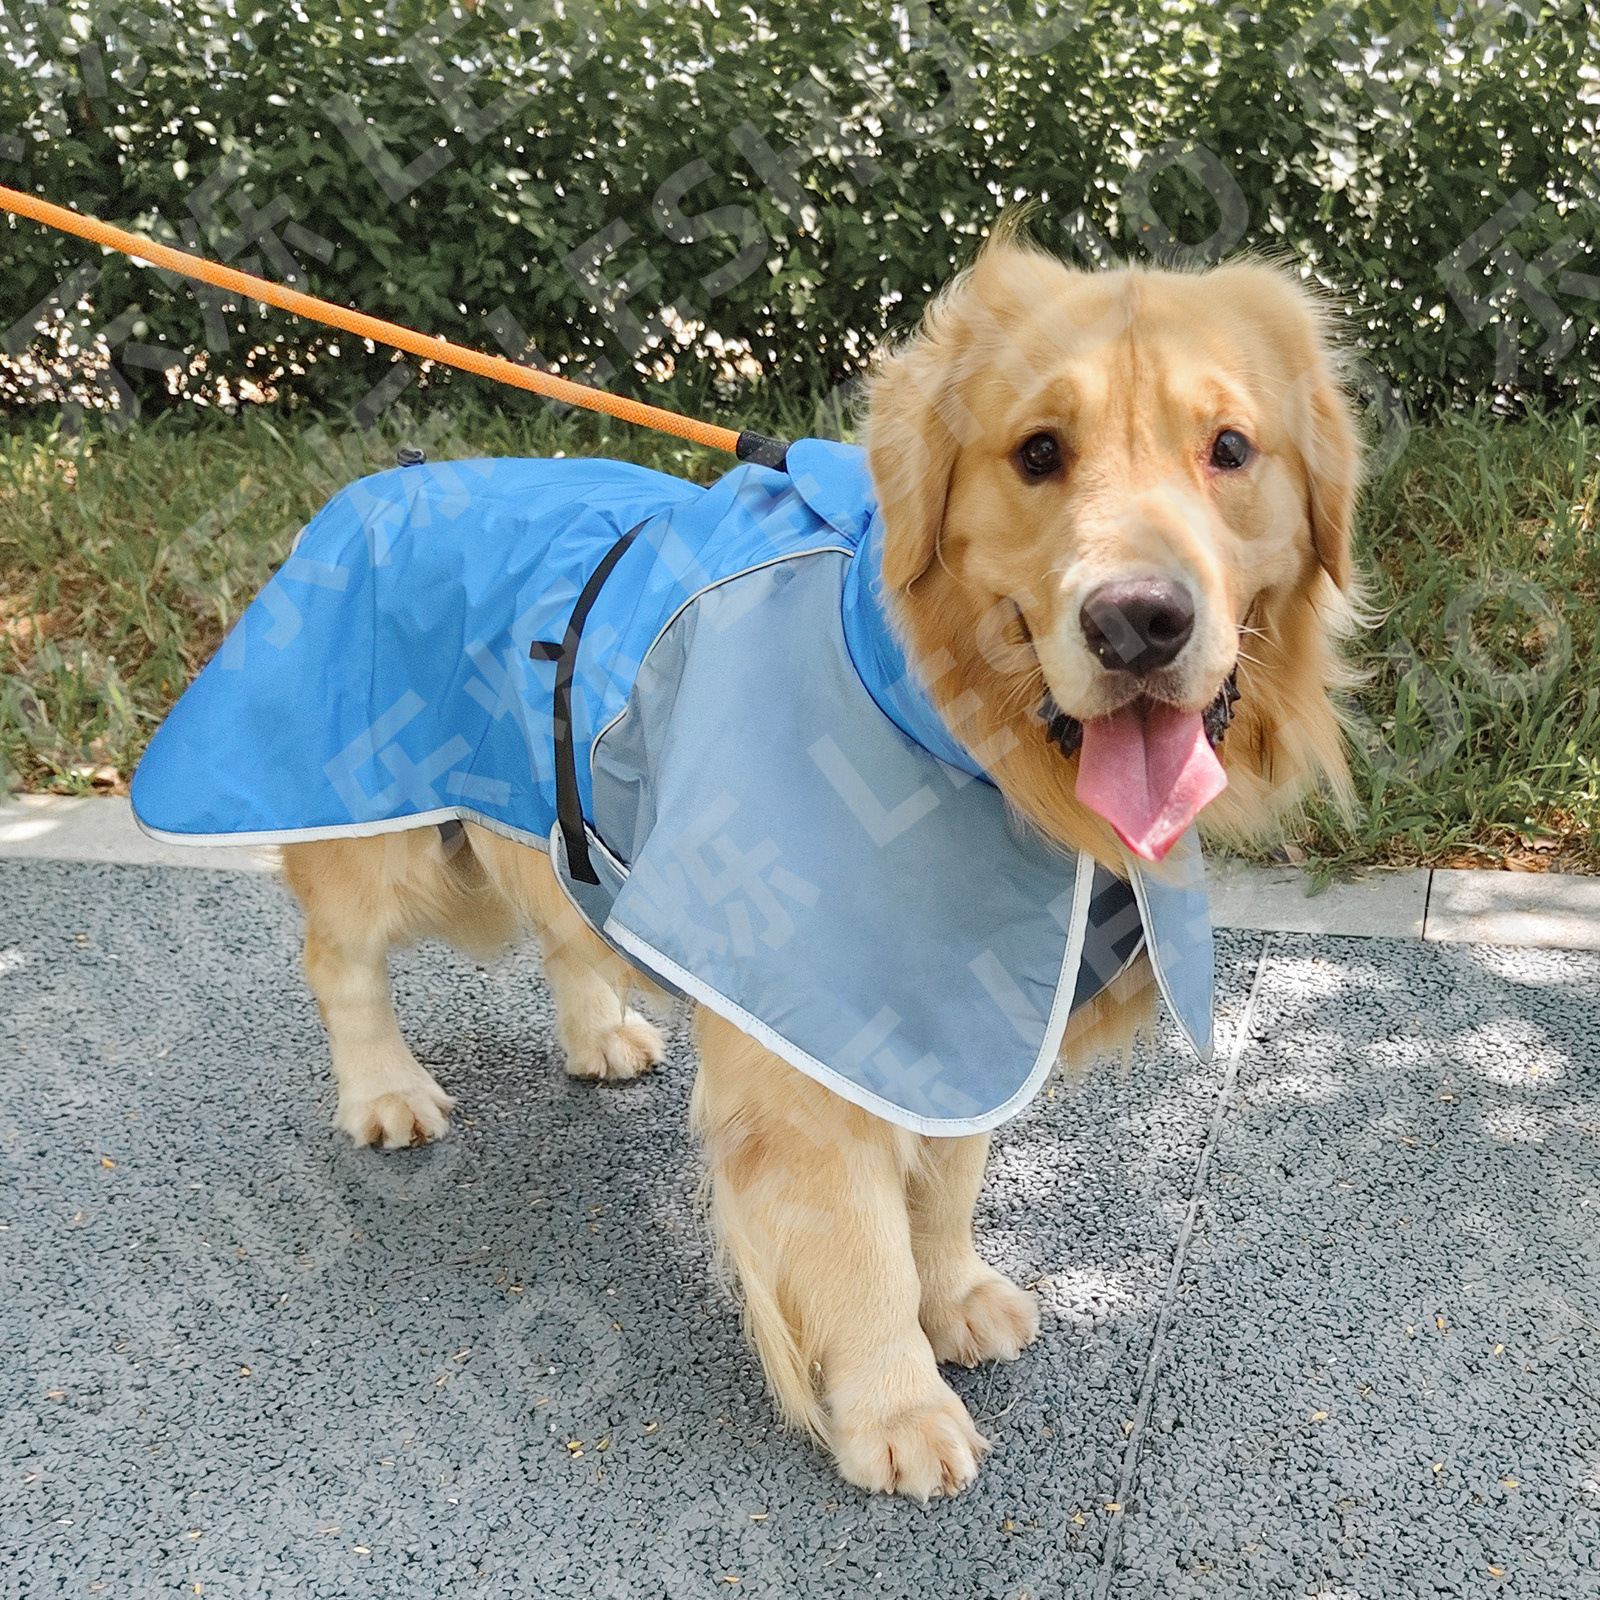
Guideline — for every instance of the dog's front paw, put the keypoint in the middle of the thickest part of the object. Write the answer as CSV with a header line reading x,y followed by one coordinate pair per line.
x,y
929,1447
617,1053
993,1321
411,1114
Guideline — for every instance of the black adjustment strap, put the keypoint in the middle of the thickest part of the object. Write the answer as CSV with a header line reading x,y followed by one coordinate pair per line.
x,y
765,452
569,808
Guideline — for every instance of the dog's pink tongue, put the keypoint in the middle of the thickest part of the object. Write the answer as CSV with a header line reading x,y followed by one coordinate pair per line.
x,y
1149,773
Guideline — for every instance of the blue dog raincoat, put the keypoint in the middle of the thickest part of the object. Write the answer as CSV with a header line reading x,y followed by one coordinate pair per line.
x,y
694,699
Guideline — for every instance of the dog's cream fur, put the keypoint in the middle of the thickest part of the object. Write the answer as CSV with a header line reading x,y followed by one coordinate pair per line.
x,y
852,1239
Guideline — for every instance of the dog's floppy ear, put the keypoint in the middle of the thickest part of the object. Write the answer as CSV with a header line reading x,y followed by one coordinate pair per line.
x,y
988,318
1330,447
915,426
1317,415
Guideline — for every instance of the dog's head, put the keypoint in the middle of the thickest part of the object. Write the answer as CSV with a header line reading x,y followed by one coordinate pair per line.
x,y
1113,499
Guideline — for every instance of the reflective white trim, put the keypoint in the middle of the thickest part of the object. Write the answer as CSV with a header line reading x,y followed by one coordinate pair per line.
x,y
1066,985
1133,955
348,830
1136,879
846,1088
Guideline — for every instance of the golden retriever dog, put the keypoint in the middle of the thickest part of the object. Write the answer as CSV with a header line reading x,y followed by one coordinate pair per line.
x,y
1059,453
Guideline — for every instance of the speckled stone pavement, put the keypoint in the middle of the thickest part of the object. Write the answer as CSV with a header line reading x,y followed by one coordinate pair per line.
x,y
1331,1328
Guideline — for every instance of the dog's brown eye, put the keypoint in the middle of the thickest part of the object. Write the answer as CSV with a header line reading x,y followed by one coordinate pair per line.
x,y
1230,450
1040,455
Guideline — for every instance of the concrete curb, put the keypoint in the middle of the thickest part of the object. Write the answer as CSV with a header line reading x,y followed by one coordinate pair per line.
x,y
1548,910
1556,911
1542,909
1382,905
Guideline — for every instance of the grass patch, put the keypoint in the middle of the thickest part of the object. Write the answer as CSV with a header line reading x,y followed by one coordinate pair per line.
x,y
1477,733
124,557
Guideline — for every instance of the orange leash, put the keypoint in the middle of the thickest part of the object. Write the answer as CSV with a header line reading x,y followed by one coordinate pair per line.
x,y
747,446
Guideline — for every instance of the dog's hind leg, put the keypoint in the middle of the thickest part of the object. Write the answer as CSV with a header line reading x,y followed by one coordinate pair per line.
x,y
971,1313
601,1034
361,896
808,1199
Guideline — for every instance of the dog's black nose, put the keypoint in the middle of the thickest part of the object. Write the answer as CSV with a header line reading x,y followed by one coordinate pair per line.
x,y
1138,624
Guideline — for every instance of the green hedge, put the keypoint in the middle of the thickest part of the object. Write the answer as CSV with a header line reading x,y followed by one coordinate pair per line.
x,y
791,187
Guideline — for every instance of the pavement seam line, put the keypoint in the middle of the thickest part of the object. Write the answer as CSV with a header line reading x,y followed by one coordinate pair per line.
x,y
1427,906
1112,1549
